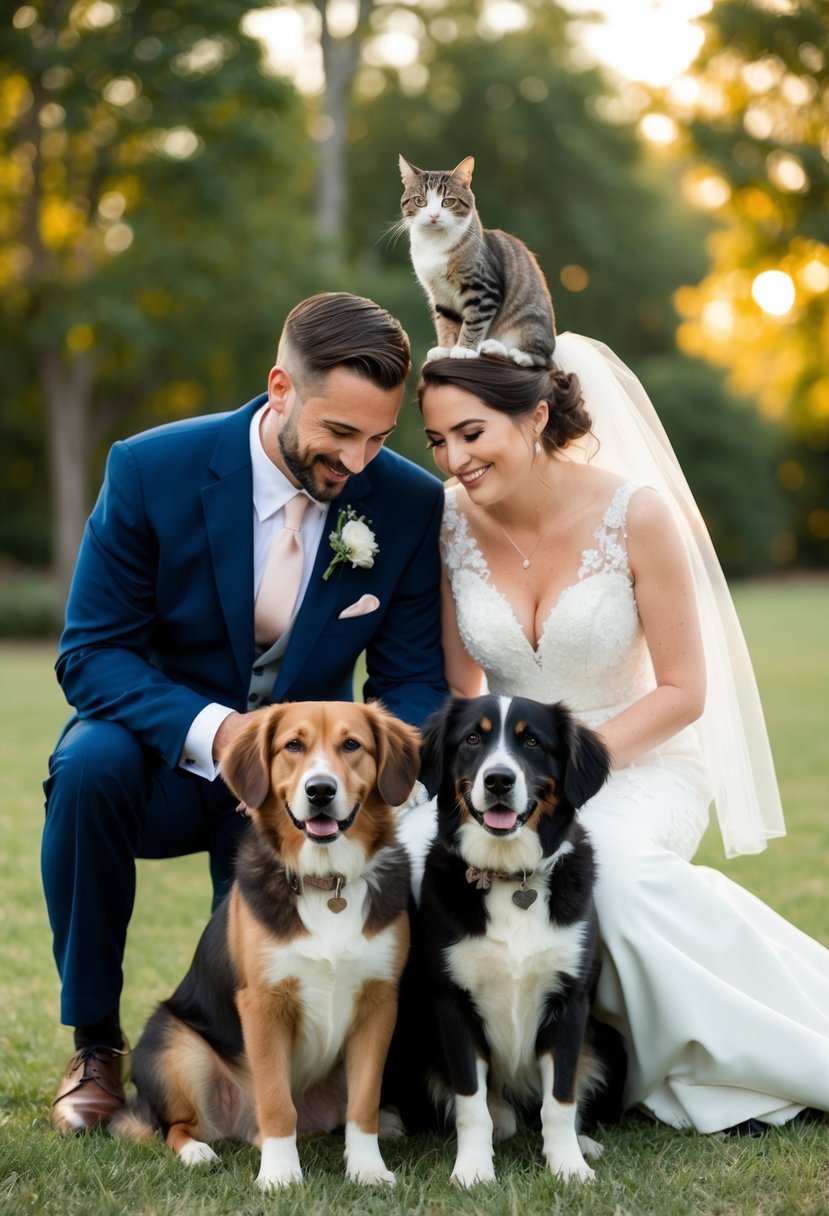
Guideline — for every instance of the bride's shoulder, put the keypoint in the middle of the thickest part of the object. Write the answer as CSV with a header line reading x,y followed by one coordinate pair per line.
x,y
649,518
596,488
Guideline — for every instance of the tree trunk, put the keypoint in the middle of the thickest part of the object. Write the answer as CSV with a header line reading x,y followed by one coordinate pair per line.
x,y
340,58
67,390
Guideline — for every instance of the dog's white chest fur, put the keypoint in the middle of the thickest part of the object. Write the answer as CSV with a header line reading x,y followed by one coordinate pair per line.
x,y
330,965
509,973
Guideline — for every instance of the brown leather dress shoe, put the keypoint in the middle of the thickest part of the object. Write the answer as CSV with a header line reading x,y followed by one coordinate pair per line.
x,y
91,1090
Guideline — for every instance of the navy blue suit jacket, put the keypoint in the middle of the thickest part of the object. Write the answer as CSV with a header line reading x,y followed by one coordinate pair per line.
x,y
159,620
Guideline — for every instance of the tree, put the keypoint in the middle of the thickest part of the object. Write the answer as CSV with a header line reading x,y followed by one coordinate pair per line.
x,y
150,217
754,122
757,128
610,234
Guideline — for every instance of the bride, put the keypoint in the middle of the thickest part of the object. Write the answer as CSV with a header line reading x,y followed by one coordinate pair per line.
x,y
577,568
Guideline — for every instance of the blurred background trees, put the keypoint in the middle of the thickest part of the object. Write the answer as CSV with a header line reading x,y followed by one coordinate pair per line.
x,y
151,211
165,199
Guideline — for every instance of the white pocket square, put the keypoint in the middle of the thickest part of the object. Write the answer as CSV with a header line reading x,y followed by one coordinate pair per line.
x,y
364,605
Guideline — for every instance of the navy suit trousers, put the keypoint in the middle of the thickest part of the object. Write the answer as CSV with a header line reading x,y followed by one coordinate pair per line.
x,y
109,801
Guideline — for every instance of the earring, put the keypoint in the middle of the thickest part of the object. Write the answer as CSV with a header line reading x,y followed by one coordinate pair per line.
x,y
537,448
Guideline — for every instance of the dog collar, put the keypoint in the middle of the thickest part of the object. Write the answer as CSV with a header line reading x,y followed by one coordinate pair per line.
x,y
524,897
328,882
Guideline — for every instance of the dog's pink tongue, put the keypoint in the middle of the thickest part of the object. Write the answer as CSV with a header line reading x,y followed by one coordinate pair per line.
x,y
500,819
322,826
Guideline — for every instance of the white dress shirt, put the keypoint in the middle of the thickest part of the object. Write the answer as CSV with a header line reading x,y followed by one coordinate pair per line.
x,y
271,491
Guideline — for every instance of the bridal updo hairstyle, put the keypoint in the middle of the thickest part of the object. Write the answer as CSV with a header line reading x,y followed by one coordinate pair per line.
x,y
516,391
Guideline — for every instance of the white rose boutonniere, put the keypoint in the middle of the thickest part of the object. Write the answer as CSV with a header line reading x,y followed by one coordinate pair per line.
x,y
352,541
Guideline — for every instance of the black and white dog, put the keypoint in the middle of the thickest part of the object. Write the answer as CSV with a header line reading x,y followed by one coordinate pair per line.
x,y
508,926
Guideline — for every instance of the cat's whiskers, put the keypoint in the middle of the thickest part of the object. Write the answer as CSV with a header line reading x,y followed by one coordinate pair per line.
x,y
393,231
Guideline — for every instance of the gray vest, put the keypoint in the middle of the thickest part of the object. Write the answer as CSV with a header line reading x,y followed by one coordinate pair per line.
x,y
265,670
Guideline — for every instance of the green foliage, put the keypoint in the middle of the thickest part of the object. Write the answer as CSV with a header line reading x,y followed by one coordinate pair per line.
x,y
152,183
729,454
549,168
30,606
155,217
760,124
647,1170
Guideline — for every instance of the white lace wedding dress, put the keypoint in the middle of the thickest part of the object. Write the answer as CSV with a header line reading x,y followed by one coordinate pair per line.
x,y
723,1004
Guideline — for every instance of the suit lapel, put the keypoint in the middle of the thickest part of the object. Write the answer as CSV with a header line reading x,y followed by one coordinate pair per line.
x,y
322,594
228,512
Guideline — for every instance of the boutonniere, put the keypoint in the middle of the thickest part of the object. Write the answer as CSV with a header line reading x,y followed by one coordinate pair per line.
x,y
352,541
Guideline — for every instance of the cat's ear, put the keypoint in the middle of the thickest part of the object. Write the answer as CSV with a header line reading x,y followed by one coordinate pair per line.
x,y
463,171
408,172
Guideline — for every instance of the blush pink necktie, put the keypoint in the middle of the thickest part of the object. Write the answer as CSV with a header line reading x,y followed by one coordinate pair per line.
x,y
282,577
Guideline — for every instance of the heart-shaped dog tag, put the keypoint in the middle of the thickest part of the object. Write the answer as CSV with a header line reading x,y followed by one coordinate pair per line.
x,y
524,897
336,903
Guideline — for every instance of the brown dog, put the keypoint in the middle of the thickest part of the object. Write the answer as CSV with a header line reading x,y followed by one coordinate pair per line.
x,y
283,1022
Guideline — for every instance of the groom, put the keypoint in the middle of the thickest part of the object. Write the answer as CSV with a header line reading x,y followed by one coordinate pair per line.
x,y
207,586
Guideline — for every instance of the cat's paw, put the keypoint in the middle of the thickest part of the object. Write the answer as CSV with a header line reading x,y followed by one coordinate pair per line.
x,y
437,352
521,357
491,346
462,352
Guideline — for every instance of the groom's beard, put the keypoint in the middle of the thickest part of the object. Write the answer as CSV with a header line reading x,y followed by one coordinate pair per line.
x,y
310,470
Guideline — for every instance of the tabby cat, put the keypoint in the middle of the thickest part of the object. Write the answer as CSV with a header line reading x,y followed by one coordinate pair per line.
x,y
486,289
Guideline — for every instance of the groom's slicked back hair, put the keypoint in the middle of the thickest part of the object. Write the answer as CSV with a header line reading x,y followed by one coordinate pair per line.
x,y
337,329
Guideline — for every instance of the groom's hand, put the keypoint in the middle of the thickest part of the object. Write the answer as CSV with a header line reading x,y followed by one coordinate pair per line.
x,y
227,731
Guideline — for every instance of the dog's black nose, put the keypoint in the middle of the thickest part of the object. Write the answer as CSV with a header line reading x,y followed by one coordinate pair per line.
x,y
320,791
499,780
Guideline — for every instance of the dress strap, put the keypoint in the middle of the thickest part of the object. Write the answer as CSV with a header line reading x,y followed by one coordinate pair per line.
x,y
458,547
610,554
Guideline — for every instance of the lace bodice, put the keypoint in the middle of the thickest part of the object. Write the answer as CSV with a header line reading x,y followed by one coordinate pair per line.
x,y
591,652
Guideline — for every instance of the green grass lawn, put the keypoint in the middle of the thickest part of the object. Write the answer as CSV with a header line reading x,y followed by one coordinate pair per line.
x,y
646,1169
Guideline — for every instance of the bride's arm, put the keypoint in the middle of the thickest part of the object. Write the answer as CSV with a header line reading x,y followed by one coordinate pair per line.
x,y
667,608
463,675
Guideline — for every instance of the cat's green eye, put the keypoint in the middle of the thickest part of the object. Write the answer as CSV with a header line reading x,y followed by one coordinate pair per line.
x,y
419,200
449,201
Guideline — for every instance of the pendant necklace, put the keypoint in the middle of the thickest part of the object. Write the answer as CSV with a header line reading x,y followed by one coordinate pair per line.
x,y
525,557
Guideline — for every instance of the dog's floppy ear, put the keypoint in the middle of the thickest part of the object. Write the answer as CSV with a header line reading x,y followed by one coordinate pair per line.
x,y
246,761
433,736
398,755
587,765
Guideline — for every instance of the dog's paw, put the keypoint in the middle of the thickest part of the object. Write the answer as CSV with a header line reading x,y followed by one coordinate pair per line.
x,y
590,1148
275,1180
195,1152
280,1163
491,346
462,352
572,1168
437,352
389,1123
504,1123
370,1175
470,1170
363,1162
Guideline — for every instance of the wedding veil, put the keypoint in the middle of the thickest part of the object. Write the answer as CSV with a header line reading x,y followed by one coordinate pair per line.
x,y
628,438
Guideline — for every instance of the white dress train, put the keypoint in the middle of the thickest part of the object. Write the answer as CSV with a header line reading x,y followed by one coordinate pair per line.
x,y
723,1004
